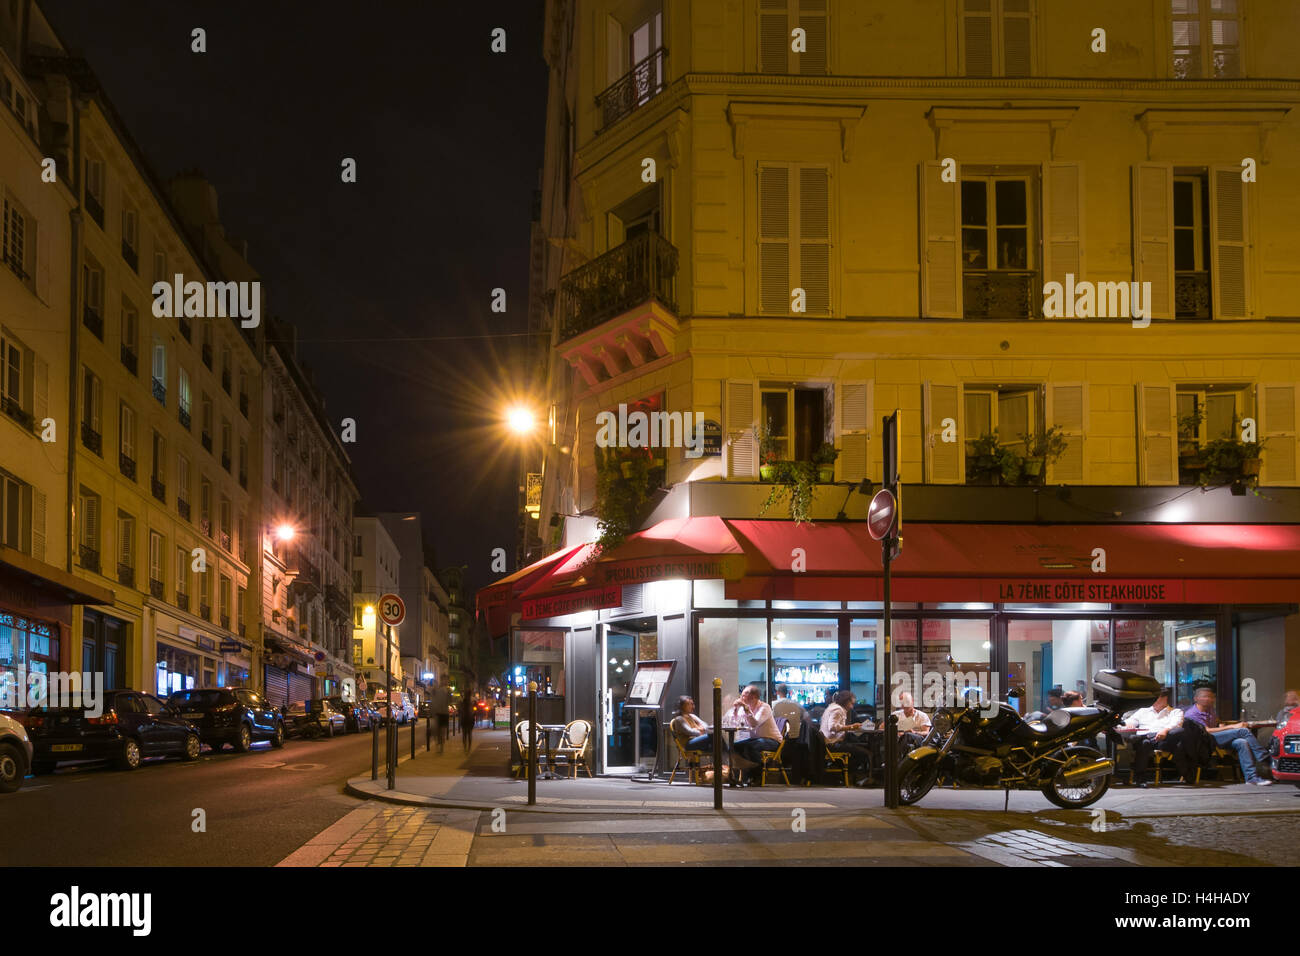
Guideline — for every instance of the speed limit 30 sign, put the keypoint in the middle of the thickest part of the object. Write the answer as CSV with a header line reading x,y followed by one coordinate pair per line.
x,y
392,611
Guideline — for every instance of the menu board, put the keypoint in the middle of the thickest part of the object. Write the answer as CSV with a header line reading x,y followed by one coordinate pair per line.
x,y
649,683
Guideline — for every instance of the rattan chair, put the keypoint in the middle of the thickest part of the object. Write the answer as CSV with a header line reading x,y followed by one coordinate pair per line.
x,y
689,757
521,740
574,747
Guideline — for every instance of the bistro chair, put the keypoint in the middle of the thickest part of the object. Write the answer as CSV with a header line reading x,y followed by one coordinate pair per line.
x,y
689,757
837,761
574,747
521,740
771,761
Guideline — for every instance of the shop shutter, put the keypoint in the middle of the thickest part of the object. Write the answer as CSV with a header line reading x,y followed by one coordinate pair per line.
x,y
1157,436
814,17
1228,243
945,462
977,37
1279,425
815,238
1067,406
853,424
301,687
1063,218
941,248
773,36
774,239
1153,234
742,417
276,687
38,525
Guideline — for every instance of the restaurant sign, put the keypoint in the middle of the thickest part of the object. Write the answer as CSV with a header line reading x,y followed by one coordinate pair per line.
x,y
1067,589
591,599
728,566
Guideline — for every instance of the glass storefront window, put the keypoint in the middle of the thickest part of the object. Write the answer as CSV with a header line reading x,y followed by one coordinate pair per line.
x,y
735,650
26,644
805,657
177,670
539,656
921,651
1194,648
1047,658
236,676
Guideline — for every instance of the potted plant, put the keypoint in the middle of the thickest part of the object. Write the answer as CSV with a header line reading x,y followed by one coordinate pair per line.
x,y
1230,461
1042,449
794,480
623,489
1189,426
767,453
824,459
990,463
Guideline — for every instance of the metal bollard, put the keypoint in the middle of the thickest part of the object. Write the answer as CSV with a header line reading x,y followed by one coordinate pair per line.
x,y
374,750
413,723
428,731
390,754
532,742
717,743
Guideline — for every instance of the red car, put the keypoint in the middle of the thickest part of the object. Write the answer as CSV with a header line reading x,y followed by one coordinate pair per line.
x,y
1286,750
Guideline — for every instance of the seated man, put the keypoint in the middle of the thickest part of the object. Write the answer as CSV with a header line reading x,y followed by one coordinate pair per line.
x,y
913,724
834,728
758,731
1154,729
1072,698
1235,735
786,706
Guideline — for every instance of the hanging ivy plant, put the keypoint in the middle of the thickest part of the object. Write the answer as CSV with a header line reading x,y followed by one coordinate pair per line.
x,y
625,481
793,480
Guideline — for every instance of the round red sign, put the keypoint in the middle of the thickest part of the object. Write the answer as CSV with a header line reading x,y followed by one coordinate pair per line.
x,y
882,514
392,610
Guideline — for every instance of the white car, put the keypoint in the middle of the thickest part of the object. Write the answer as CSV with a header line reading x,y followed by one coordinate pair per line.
x,y
15,754
402,709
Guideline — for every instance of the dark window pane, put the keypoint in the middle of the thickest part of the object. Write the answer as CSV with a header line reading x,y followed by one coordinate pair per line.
x,y
1011,204
1013,248
974,204
1184,249
974,254
1184,203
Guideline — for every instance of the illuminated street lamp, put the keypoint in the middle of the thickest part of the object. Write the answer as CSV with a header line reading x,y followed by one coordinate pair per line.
x,y
285,532
521,420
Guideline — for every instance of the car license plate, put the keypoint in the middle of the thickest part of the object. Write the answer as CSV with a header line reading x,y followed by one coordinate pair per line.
x,y
192,716
1293,746
65,748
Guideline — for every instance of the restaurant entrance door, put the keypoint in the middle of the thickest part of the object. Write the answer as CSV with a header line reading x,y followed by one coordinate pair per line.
x,y
627,736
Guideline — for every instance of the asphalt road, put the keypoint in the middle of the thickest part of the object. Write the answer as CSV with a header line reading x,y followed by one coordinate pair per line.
x,y
260,807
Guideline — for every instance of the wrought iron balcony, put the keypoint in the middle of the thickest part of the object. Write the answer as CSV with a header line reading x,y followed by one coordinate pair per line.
x,y
225,622
92,320
183,414
243,628
95,208
1001,294
126,575
130,360
130,256
205,611
183,508
160,392
89,558
640,270
205,526
17,412
186,329
92,439
225,380
225,540
182,601
1192,295
634,88
156,588
243,404
159,489
126,465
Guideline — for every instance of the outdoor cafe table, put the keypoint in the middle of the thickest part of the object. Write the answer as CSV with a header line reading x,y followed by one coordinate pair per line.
x,y
548,729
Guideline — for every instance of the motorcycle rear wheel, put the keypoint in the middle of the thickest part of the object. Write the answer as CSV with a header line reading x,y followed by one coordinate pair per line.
x,y
917,779
1075,798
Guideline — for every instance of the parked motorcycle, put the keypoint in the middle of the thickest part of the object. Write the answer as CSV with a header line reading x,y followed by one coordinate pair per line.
x,y
992,747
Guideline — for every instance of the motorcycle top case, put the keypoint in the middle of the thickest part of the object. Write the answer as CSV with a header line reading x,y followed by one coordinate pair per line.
x,y
1125,690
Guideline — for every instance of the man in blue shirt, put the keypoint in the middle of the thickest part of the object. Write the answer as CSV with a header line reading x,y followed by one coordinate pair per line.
x,y
1235,735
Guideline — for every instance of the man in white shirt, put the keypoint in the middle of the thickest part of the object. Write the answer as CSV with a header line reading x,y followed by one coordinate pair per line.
x,y
757,726
1152,727
787,707
913,724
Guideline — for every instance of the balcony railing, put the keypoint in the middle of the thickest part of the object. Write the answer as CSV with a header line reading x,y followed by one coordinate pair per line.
x,y
182,601
186,329
95,208
205,611
225,622
634,88
1192,295
1004,294
225,540
205,526
639,270
92,439
89,558
243,628
159,489
126,575
183,414
126,465
156,588
183,508
129,254
130,360
243,404
160,392
225,380
17,412
91,318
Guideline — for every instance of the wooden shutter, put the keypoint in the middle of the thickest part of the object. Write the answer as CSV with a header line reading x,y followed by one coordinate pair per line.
x,y
1157,436
1153,234
1279,424
90,521
742,417
126,424
774,239
1016,42
977,37
853,424
155,556
1067,406
813,17
40,389
126,543
941,246
773,36
814,230
38,524
1063,222
44,254
945,462
1228,243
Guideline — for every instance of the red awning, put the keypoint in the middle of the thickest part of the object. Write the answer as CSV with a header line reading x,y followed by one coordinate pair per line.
x,y
495,599
1151,563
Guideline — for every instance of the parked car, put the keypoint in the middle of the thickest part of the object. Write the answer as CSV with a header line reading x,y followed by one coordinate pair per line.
x,y
357,714
1285,749
132,727
230,715
15,754
314,718
402,709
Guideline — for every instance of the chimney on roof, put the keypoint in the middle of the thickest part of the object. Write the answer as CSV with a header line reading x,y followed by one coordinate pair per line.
x,y
195,199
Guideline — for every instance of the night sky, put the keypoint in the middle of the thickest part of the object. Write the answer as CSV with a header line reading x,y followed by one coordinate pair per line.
x,y
388,279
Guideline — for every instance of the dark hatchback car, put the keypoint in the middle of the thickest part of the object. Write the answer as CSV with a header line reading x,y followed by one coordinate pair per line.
x,y
357,716
230,715
132,727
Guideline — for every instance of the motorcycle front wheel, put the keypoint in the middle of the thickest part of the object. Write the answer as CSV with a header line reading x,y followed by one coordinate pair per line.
x,y
916,778
1080,795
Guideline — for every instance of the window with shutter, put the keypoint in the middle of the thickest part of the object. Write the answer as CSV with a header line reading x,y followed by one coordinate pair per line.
x,y
38,525
19,241
853,424
794,234
182,571
945,461
125,540
777,20
742,417
998,244
1063,222
40,388
941,255
1153,227
1067,409
1205,39
996,38
1157,437
1228,237
126,431
156,552
1279,426
89,504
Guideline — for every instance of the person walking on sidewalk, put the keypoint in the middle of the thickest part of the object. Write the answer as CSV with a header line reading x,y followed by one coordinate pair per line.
x,y
439,707
466,719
